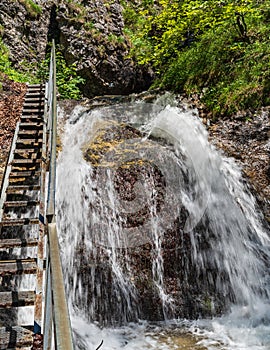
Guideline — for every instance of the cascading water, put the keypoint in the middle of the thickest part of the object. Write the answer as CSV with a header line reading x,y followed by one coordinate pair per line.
x,y
155,225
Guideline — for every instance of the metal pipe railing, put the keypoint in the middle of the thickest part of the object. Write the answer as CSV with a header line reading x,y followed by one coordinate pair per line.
x,y
57,329
52,129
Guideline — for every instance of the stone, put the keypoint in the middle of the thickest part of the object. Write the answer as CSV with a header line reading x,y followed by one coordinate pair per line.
x,y
85,31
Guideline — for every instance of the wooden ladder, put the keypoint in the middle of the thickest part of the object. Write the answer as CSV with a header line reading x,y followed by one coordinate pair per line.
x,y
22,227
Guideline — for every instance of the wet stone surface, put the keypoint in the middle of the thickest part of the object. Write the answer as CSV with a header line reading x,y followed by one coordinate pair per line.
x,y
246,138
136,260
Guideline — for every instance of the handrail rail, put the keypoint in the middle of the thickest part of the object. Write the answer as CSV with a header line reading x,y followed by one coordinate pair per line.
x,y
52,125
56,317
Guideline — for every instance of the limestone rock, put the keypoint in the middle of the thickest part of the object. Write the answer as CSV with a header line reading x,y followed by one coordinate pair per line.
x,y
90,35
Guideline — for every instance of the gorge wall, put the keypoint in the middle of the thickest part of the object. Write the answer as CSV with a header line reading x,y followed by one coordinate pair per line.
x,y
90,34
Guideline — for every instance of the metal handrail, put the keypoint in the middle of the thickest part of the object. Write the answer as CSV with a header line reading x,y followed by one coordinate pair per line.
x,y
52,125
57,329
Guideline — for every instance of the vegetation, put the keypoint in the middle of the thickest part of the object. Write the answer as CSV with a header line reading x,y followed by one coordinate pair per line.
x,y
68,81
220,49
33,9
6,67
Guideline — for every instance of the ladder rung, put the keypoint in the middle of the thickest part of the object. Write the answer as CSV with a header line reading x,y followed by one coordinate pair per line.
x,y
31,125
26,161
17,299
18,267
32,173
29,103
15,337
26,150
30,132
34,86
20,188
17,242
31,142
12,204
19,222
30,98
27,116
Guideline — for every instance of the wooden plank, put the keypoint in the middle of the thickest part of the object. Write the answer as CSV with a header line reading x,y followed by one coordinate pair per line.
x,y
30,97
32,173
32,142
37,125
26,161
32,117
17,299
17,267
33,110
30,132
18,242
12,204
33,105
15,337
25,150
19,222
22,188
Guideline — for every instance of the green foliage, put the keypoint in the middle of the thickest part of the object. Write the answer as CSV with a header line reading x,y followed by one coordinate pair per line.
x,y
218,48
68,81
13,74
31,7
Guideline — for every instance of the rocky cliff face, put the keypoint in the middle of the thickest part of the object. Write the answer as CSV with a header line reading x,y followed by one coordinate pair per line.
x,y
24,31
90,34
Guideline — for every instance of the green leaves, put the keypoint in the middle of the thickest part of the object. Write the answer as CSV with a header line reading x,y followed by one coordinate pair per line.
x,y
220,48
68,81
6,67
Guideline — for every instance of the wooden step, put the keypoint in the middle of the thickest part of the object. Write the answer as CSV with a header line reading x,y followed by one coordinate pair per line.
x,y
13,204
26,117
30,132
31,142
30,98
17,267
18,243
23,173
27,111
19,222
34,86
37,90
25,161
22,188
31,125
15,337
17,299
23,151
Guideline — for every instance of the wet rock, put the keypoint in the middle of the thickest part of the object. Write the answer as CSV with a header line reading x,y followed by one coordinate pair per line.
x,y
194,293
246,138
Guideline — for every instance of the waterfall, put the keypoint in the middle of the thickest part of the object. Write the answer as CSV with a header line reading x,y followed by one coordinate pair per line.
x,y
156,225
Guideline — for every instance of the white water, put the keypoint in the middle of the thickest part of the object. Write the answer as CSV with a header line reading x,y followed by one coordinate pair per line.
x,y
237,243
